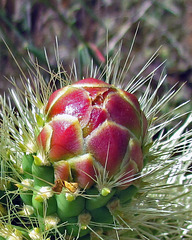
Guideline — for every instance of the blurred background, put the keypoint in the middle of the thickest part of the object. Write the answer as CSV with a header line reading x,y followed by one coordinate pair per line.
x,y
82,27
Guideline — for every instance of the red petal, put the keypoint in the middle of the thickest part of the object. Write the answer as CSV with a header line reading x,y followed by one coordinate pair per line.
x,y
131,99
83,170
98,116
136,153
43,139
62,170
129,175
54,97
67,140
75,102
108,144
123,113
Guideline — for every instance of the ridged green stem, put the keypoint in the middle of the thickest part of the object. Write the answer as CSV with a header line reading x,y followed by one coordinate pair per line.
x,y
74,229
67,209
42,175
27,197
126,195
44,207
27,162
102,215
97,200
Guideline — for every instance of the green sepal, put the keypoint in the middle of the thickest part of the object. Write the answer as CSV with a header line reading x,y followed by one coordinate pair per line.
x,y
42,175
74,229
67,209
27,162
102,215
97,200
46,207
126,195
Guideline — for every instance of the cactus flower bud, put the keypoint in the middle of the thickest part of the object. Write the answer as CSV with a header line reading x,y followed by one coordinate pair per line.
x,y
92,125
89,151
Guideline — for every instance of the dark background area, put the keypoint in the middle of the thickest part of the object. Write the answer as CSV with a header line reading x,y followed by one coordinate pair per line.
x,y
82,28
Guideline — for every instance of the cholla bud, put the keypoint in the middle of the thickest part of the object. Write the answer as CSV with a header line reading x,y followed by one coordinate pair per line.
x,y
90,124
89,151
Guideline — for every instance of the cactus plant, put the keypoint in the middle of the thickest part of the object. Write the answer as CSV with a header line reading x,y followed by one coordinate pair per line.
x,y
86,164
89,151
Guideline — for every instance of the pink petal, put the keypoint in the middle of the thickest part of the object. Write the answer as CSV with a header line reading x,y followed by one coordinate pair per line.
x,y
108,143
129,175
54,97
62,170
123,113
74,101
82,170
67,139
98,116
131,99
43,139
136,153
